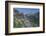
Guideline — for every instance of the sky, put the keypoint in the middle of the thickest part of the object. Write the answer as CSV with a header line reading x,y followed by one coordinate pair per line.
x,y
27,10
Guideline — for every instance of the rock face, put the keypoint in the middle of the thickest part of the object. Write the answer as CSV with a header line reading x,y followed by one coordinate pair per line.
x,y
23,21
27,23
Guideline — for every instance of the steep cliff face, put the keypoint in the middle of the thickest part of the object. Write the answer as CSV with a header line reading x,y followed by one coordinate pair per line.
x,y
27,20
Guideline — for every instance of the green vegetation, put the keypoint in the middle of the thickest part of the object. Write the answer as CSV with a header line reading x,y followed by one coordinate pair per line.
x,y
18,22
